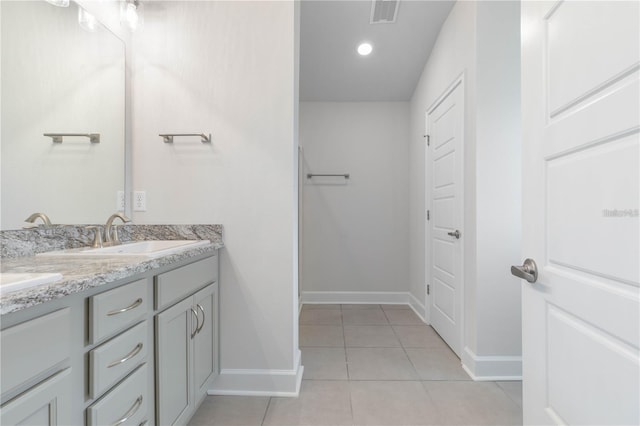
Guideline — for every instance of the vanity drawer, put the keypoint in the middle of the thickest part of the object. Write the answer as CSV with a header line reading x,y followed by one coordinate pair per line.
x,y
21,348
115,309
126,404
175,285
113,360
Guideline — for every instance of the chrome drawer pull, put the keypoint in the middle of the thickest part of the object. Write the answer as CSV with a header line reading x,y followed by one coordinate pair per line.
x,y
130,355
134,408
203,317
193,333
128,308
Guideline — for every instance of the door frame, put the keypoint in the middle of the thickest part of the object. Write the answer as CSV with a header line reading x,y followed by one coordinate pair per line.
x,y
458,81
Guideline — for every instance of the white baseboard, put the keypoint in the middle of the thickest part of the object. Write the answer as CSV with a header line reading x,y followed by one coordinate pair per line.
x,y
491,368
254,382
364,298
418,307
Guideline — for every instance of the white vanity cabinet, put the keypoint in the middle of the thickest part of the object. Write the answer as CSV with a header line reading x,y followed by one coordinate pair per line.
x,y
186,341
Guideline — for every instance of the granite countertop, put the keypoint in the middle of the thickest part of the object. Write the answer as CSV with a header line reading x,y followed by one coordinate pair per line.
x,y
82,273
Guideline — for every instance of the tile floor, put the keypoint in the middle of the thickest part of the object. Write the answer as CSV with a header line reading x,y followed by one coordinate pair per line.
x,y
373,365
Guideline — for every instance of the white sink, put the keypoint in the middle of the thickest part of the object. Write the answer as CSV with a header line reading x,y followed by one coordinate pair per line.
x,y
10,282
137,248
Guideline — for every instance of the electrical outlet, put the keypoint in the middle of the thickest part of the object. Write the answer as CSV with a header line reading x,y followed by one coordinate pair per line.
x,y
120,201
139,201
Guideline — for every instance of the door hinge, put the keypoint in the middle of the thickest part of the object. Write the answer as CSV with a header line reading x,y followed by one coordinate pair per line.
x,y
428,140
428,215
428,289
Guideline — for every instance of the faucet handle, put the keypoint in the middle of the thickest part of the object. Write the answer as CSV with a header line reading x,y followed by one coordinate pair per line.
x,y
97,236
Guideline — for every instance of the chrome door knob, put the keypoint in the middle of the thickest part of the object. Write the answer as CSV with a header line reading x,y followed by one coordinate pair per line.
x,y
456,234
528,271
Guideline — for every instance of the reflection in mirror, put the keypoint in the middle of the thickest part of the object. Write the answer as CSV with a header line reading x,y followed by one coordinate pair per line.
x,y
62,72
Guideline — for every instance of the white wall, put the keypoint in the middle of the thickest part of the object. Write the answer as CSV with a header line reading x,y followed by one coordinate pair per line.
x,y
481,40
498,178
227,68
355,230
452,55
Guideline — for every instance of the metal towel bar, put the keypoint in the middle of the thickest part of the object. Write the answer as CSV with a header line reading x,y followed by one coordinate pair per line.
x,y
57,137
344,175
168,137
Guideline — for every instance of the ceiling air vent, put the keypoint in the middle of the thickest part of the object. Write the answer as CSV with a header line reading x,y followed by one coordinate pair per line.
x,y
384,11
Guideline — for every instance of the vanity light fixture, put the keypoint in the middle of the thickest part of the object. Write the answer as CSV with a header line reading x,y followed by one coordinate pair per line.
x,y
59,3
364,49
131,14
87,21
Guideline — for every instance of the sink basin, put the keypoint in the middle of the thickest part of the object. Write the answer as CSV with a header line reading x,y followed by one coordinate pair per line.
x,y
136,248
10,282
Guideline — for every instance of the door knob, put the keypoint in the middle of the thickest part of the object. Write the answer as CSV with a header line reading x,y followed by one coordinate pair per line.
x,y
455,234
528,271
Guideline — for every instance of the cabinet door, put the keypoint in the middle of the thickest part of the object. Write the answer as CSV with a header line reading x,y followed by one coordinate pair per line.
x,y
174,328
46,404
205,349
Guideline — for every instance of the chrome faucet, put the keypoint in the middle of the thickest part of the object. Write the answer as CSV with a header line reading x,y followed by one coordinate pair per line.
x,y
111,236
44,217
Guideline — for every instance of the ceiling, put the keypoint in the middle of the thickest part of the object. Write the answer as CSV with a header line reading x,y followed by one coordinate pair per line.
x,y
332,70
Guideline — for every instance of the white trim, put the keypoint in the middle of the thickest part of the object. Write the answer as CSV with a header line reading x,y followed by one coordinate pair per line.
x,y
417,307
365,298
259,382
491,368
355,297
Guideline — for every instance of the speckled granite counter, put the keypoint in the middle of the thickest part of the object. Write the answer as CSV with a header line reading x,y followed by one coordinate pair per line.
x,y
81,273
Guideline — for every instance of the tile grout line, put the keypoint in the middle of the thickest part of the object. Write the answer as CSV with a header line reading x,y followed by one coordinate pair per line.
x,y
415,370
264,417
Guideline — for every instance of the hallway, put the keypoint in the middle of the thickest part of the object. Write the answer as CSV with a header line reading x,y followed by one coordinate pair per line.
x,y
373,365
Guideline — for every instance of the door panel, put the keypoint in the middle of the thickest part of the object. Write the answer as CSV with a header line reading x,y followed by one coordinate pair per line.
x,y
581,118
445,126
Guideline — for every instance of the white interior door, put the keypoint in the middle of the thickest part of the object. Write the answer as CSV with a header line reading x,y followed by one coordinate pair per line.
x,y
445,162
581,118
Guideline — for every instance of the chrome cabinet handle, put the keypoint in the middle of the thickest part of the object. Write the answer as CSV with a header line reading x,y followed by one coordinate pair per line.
x,y
128,308
193,333
135,351
528,271
203,317
456,234
134,408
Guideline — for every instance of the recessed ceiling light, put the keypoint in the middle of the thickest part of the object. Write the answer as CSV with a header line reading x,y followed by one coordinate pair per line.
x,y
364,49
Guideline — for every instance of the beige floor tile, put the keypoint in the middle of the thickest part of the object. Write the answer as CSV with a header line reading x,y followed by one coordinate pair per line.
x,y
321,317
392,307
320,403
403,317
437,364
360,306
370,336
321,335
513,390
231,410
391,403
418,336
477,403
364,317
324,363
311,306
379,364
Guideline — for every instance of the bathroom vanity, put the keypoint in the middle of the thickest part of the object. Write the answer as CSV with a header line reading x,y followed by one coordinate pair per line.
x,y
118,340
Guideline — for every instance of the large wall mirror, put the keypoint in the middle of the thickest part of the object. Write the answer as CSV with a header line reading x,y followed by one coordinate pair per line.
x,y
62,72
